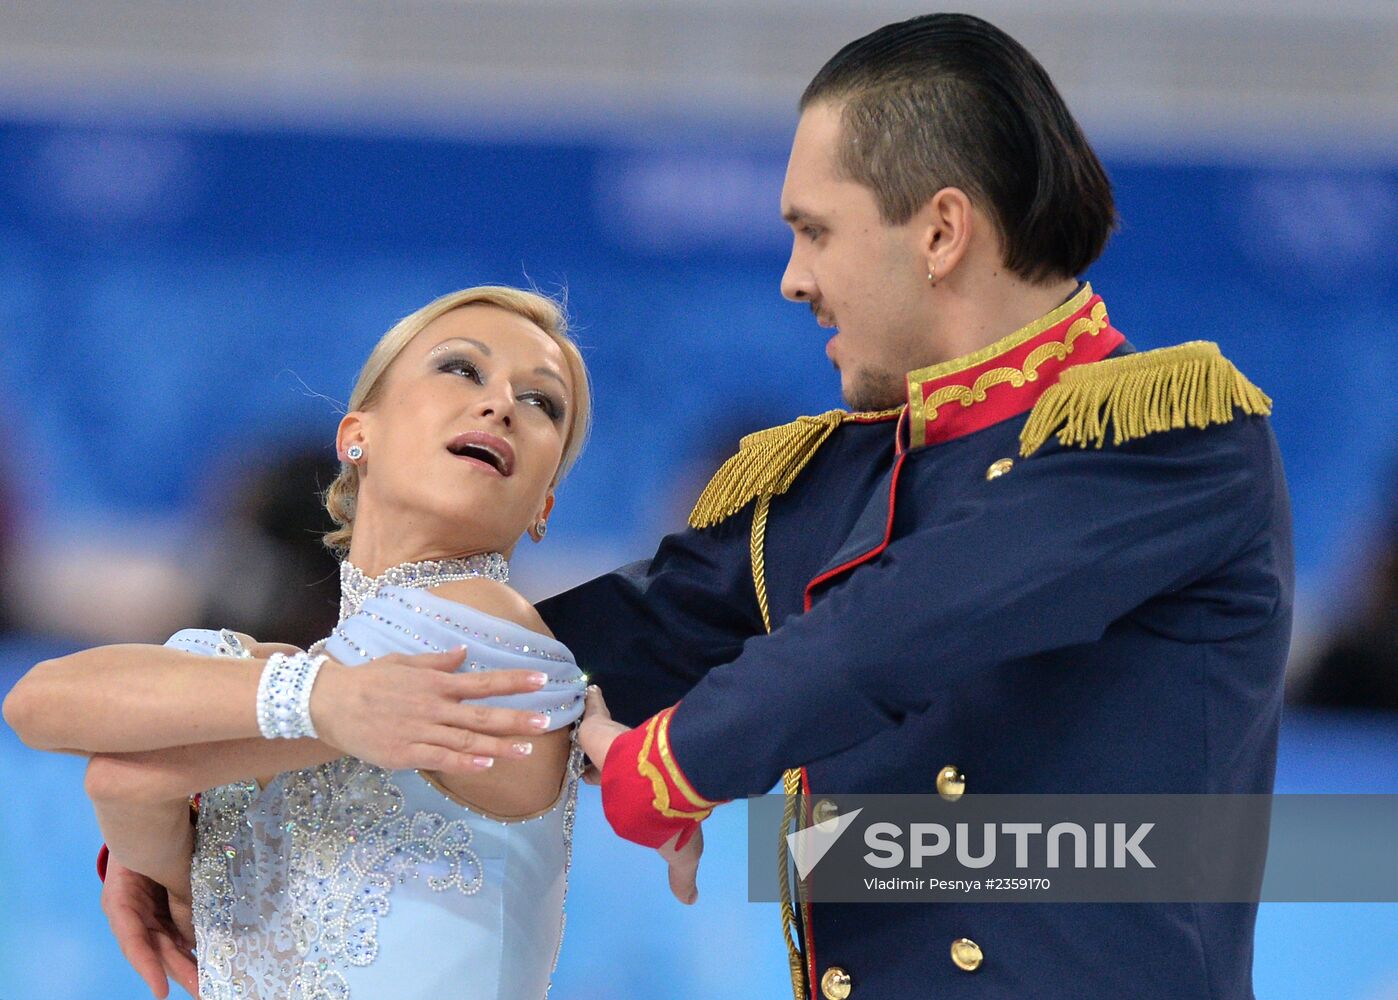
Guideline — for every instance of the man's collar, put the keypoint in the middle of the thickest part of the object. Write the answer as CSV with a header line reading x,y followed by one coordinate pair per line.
x,y
1005,379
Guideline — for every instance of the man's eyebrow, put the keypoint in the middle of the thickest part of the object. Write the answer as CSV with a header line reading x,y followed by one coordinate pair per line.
x,y
465,340
796,214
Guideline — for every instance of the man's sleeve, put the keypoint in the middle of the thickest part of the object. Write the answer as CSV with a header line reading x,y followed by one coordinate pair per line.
x,y
1045,557
648,632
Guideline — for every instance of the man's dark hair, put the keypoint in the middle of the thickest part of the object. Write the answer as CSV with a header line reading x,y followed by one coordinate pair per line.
x,y
949,100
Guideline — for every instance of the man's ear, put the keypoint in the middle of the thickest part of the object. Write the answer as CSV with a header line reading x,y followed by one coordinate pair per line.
x,y
350,431
948,226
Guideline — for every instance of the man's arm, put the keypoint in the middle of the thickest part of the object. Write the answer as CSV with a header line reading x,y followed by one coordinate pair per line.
x,y
1044,558
648,632
153,838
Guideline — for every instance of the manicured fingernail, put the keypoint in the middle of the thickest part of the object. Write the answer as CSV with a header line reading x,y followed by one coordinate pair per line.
x,y
484,761
523,749
539,721
539,679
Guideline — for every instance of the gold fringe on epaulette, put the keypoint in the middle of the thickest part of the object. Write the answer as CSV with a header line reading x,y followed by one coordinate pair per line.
x,y
1191,385
767,462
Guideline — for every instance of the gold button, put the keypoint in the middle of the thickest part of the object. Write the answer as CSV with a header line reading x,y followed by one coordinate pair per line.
x,y
966,954
951,783
999,468
824,812
835,984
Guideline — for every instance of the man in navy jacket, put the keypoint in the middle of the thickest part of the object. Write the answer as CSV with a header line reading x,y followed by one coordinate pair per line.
x,y
1031,560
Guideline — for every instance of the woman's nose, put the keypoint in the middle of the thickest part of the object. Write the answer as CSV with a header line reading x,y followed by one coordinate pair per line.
x,y
498,404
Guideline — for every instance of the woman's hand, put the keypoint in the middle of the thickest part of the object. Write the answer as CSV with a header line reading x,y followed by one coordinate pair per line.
x,y
263,650
596,733
156,940
404,711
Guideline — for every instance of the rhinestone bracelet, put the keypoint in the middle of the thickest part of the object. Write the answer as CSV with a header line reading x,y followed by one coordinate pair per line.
x,y
284,696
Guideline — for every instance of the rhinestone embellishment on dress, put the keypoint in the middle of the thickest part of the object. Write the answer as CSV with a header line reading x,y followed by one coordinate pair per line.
x,y
291,882
321,850
356,586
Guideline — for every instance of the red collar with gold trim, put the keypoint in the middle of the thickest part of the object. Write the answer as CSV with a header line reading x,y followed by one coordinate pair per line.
x,y
1007,378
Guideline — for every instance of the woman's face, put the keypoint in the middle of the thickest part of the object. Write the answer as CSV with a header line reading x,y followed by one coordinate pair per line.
x,y
466,436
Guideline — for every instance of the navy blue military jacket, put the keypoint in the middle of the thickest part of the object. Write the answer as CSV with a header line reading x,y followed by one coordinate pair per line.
x,y
1064,567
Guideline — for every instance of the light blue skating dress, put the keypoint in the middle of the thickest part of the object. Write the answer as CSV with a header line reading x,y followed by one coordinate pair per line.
x,y
350,882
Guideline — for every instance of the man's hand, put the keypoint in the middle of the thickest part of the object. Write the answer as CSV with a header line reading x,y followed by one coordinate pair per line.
x,y
684,866
404,711
138,911
596,733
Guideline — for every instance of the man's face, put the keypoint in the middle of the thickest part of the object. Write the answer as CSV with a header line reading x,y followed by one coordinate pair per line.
x,y
858,274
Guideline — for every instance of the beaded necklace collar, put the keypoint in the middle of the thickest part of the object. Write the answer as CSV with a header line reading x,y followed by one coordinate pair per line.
x,y
356,586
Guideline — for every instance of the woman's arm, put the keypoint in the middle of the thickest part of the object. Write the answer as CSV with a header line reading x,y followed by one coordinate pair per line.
x,y
134,697
398,711
529,779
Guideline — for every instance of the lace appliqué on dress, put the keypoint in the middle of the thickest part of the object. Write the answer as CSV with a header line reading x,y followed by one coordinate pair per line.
x,y
290,883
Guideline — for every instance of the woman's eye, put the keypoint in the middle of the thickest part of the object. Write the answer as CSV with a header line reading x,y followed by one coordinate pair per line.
x,y
460,366
811,232
543,402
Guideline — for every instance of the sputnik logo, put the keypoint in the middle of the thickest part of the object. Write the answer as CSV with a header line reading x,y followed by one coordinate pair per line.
x,y
808,846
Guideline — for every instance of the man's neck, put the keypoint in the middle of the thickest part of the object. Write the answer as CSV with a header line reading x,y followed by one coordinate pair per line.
x,y
979,310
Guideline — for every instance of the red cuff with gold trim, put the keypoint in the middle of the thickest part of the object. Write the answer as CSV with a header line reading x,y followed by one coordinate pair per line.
x,y
645,795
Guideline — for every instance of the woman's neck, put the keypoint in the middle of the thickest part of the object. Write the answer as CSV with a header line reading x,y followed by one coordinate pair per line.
x,y
373,550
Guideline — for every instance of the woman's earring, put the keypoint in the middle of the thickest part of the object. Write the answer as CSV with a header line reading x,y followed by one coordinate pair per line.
x,y
354,453
541,528
931,274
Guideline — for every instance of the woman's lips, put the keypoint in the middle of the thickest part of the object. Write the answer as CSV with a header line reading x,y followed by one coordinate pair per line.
x,y
486,450
488,467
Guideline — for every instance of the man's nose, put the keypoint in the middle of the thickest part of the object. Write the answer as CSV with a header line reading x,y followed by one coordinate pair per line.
x,y
797,285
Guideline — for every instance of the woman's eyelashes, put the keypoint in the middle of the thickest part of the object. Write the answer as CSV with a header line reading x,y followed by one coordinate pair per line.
x,y
551,407
467,368
461,366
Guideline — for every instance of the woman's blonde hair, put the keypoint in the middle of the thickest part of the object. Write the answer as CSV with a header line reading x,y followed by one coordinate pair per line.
x,y
545,313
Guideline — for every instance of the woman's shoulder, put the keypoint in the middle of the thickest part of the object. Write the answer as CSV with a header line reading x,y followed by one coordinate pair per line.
x,y
479,613
493,598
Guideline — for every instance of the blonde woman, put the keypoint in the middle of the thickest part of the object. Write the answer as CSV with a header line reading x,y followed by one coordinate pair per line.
x,y
439,869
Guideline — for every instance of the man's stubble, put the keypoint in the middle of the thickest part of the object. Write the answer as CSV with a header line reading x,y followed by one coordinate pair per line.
x,y
873,389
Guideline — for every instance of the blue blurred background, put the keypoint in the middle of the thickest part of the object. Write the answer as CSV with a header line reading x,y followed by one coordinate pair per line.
x,y
207,217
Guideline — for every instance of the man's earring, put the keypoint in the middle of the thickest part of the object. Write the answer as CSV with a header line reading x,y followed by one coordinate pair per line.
x,y
541,528
354,453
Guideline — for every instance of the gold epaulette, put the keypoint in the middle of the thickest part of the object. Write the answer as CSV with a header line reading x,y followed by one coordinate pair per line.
x,y
1190,385
767,463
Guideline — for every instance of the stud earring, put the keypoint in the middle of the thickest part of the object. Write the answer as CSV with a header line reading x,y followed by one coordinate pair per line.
x,y
931,274
354,453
